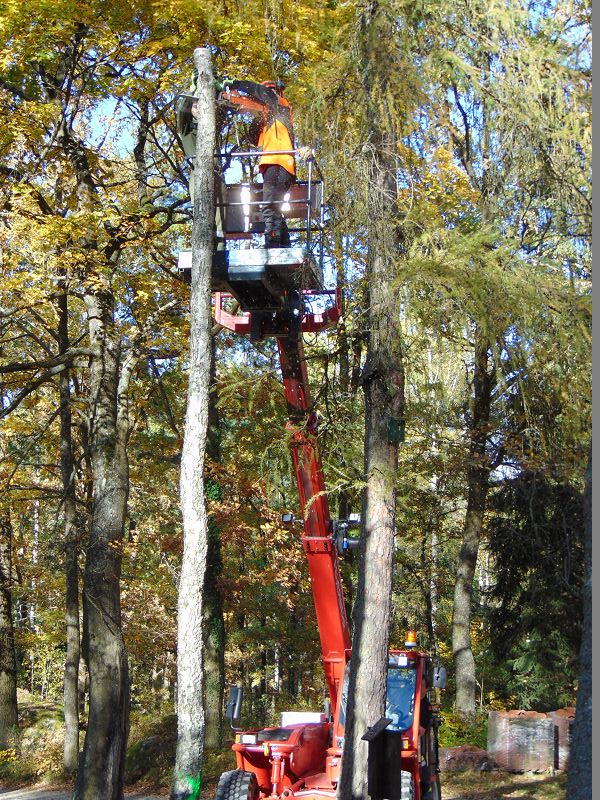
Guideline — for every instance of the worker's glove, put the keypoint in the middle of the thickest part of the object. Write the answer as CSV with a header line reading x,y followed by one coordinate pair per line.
x,y
306,153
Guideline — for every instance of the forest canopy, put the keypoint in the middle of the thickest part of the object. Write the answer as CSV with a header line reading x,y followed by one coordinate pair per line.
x,y
481,113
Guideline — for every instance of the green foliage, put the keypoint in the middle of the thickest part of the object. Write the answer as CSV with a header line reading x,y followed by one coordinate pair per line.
x,y
11,767
456,729
16,769
215,763
543,672
535,537
212,490
40,744
151,749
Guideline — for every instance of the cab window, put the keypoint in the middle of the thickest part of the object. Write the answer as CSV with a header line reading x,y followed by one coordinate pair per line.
x,y
400,703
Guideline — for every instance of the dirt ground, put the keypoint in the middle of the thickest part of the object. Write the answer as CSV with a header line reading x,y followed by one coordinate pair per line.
x,y
461,786
502,786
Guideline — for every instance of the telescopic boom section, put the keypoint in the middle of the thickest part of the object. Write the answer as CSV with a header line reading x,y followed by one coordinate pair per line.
x,y
316,540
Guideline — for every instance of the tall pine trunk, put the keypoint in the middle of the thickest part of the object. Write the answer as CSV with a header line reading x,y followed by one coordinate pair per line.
x,y
479,462
478,472
67,468
190,711
8,664
101,769
383,385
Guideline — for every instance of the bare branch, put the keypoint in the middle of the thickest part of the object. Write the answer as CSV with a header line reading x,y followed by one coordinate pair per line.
x,y
31,387
63,358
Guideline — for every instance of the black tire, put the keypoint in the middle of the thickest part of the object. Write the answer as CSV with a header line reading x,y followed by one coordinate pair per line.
x,y
237,785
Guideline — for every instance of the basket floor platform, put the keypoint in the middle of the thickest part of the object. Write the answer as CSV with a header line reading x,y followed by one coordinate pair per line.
x,y
259,278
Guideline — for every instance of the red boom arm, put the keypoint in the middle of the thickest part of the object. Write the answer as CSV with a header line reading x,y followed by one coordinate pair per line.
x,y
316,540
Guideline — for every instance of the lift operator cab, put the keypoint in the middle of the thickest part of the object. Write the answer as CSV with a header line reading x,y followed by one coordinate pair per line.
x,y
281,293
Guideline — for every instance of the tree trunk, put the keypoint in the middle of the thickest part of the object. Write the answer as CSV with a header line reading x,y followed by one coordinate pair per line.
x,y
100,774
478,471
383,385
71,676
476,160
8,663
580,758
432,603
214,640
383,389
190,712
101,768
214,625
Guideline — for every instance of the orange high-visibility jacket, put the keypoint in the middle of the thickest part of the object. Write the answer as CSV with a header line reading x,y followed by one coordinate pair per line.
x,y
277,131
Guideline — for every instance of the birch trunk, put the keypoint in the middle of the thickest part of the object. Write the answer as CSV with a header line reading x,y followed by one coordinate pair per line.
x,y
190,712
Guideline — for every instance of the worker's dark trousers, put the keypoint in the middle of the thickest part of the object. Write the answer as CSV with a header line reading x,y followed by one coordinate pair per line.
x,y
276,182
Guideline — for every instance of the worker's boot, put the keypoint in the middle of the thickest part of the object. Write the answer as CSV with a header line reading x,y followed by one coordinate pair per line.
x,y
277,233
285,235
271,239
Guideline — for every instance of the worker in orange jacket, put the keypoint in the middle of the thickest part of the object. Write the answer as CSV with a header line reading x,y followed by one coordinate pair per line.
x,y
275,134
